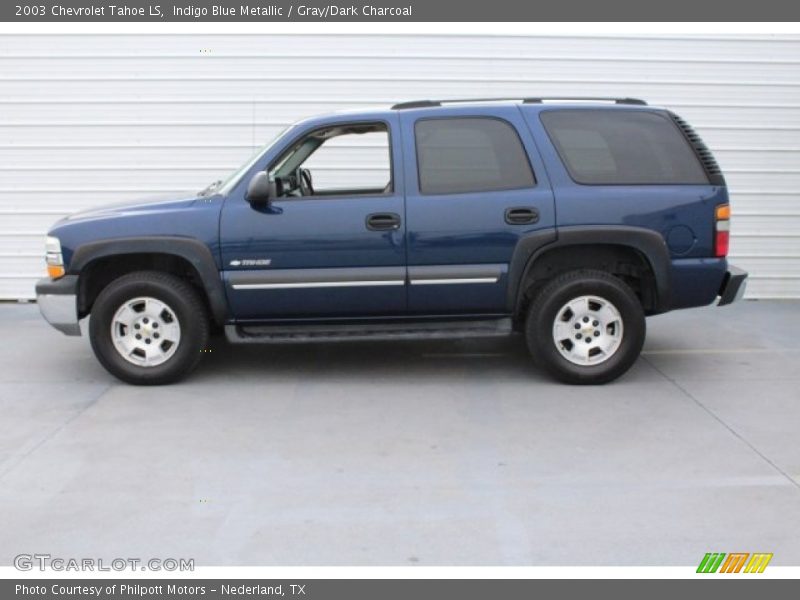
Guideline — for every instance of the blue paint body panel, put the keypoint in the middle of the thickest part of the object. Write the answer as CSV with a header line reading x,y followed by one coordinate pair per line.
x,y
460,230
454,229
696,281
191,217
657,207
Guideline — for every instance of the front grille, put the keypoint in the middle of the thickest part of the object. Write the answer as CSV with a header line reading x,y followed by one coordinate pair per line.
x,y
707,159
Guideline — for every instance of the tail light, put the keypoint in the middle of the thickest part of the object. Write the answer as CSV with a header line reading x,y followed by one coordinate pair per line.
x,y
722,230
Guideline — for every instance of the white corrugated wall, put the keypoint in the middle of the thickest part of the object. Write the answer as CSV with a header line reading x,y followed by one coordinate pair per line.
x,y
91,119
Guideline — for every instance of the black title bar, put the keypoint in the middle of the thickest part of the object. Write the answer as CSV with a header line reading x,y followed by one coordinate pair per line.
x,y
48,11
730,588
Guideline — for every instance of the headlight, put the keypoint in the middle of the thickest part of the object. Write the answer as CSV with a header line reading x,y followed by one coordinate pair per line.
x,y
55,262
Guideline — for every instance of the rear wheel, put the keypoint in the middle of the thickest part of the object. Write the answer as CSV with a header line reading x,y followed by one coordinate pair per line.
x,y
148,328
586,327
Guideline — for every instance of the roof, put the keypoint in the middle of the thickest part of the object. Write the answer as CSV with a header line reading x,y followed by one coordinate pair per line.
x,y
457,106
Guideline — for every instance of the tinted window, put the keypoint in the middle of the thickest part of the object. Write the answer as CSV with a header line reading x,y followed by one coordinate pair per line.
x,y
617,147
470,155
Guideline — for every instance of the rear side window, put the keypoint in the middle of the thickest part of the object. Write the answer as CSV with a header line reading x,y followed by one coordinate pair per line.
x,y
473,154
622,147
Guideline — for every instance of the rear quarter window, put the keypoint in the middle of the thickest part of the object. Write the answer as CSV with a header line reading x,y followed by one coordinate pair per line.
x,y
622,147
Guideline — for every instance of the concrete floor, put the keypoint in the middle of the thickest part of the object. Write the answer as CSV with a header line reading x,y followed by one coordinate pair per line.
x,y
455,453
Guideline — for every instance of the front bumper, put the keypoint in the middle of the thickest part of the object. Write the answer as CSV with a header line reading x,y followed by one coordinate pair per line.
x,y
58,303
733,286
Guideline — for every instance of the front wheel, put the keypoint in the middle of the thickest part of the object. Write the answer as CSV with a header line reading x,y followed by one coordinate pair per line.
x,y
148,328
586,327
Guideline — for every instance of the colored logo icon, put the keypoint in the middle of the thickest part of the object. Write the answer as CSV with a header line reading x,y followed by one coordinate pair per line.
x,y
735,562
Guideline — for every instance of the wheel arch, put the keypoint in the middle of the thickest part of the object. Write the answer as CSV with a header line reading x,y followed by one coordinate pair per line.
x,y
567,247
98,263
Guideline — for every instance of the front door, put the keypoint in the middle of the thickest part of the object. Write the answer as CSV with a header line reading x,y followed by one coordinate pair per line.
x,y
331,243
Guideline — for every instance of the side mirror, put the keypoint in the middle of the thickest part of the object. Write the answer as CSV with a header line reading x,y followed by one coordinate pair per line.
x,y
260,189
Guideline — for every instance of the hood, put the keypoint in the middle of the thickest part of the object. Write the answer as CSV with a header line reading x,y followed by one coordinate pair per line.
x,y
189,216
152,204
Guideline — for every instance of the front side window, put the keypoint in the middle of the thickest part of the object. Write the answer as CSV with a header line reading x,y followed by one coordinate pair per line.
x,y
475,154
347,159
622,147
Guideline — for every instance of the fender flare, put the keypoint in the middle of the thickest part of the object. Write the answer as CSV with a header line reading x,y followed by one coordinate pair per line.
x,y
192,250
647,242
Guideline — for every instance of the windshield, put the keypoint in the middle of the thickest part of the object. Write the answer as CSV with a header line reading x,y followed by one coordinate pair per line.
x,y
223,186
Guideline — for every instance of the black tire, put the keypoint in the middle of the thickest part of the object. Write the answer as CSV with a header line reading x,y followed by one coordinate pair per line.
x,y
181,298
546,307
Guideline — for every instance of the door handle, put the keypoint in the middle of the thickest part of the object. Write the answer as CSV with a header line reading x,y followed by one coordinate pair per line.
x,y
383,221
521,215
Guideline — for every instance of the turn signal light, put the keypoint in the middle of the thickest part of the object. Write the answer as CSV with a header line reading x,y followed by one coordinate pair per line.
x,y
55,271
54,258
722,233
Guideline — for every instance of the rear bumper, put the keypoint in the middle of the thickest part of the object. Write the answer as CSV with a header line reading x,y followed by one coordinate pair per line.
x,y
733,286
58,303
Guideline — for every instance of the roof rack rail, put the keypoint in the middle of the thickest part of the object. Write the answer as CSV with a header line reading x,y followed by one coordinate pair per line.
x,y
416,104
635,101
433,103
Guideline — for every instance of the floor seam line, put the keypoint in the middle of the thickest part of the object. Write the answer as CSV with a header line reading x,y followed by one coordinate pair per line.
x,y
719,420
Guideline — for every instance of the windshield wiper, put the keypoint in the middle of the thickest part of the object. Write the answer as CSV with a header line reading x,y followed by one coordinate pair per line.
x,y
211,188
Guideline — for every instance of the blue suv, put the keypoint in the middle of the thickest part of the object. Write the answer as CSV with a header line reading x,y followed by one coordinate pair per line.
x,y
568,221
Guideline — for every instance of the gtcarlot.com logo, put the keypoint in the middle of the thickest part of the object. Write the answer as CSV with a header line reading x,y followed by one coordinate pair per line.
x,y
43,562
735,562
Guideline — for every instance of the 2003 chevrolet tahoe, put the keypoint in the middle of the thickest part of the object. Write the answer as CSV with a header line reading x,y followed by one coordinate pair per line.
x,y
568,221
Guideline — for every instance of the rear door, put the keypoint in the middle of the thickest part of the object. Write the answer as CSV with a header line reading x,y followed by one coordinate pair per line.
x,y
474,185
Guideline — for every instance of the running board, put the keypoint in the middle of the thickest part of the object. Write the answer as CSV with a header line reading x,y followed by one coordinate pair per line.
x,y
299,334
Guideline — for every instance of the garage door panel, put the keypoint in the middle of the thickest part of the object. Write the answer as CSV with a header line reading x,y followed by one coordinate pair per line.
x,y
394,67
766,181
762,159
773,288
133,134
211,157
766,244
66,179
60,201
14,286
770,267
669,47
763,115
184,110
765,204
743,136
779,225
388,90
